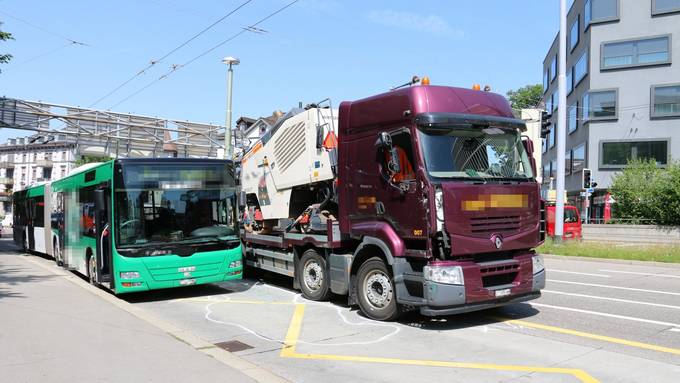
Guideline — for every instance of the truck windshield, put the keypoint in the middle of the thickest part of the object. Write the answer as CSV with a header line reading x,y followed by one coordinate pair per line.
x,y
489,153
158,204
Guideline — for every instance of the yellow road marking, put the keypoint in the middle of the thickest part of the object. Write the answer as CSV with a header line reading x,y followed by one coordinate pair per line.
x,y
290,343
582,334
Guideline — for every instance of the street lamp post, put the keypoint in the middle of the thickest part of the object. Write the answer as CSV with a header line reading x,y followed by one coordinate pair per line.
x,y
230,80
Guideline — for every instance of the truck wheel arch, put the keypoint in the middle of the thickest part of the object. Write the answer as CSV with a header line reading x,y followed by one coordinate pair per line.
x,y
363,253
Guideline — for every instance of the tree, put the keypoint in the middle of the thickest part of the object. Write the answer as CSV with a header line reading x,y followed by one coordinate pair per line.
x,y
90,159
5,36
527,97
646,193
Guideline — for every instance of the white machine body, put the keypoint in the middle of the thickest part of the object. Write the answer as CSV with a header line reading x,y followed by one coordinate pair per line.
x,y
289,156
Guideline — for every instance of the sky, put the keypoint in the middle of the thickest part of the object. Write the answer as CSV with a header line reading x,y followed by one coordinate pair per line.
x,y
312,50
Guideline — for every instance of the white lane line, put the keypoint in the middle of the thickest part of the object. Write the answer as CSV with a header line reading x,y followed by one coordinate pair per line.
x,y
634,319
645,274
577,273
612,299
613,287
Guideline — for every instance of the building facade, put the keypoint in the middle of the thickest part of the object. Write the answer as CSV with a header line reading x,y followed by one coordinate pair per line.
x,y
623,92
24,162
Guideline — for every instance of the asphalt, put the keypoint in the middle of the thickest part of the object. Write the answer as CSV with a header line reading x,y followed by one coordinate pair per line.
x,y
597,321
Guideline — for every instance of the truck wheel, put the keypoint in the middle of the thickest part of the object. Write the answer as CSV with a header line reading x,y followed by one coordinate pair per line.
x,y
314,280
375,288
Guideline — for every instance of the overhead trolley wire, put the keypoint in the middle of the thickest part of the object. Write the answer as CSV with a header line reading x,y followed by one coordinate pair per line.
x,y
175,68
72,41
154,62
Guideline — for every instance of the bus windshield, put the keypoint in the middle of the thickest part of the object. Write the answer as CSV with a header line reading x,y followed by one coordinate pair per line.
x,y
164,203
490,153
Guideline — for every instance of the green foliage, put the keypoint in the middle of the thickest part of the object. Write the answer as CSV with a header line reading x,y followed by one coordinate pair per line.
x,y
89,159
648,193
669,254
527,97
4,36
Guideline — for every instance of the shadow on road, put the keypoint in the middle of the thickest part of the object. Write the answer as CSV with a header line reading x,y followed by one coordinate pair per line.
x,y
15,275
474,319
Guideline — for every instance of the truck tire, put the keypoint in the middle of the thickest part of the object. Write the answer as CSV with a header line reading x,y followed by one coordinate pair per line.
x,y
314,279
375,289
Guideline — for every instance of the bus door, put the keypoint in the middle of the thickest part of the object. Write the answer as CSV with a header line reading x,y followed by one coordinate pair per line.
x,y
30,223
102,198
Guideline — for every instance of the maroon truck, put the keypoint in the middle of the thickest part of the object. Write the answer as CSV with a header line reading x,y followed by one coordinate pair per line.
x,y
432,204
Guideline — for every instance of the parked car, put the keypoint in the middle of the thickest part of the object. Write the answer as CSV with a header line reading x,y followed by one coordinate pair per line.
x,y
573,229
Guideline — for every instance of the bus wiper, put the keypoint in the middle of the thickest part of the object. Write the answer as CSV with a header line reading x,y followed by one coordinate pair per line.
x,y
207,238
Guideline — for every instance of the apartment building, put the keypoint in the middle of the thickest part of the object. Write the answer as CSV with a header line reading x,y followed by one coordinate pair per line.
x,y
30,160
623,86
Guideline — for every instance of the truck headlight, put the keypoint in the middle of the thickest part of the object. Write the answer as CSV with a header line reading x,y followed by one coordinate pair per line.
x,y
129,275
439,208
537,261
234,264
450,275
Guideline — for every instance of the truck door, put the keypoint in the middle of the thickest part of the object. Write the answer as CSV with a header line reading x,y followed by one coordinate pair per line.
x,y
399,196
102,199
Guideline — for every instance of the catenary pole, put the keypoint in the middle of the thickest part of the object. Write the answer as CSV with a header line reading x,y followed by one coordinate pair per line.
x,y
561,122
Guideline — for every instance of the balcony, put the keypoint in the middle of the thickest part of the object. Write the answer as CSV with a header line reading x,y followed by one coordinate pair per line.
x,y
6,181
44,163
7,164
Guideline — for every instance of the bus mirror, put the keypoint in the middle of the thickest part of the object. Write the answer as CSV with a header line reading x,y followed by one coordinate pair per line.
x,y
100,199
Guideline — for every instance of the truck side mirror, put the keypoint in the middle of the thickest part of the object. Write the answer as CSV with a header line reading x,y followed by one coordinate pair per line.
x,y
242,199
529,148
392,163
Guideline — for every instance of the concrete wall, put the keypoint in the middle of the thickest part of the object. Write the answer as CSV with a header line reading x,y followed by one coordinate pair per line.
x,y
643,234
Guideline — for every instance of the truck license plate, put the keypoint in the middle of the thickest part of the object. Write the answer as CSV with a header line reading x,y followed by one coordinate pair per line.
x,y
502,293
187,282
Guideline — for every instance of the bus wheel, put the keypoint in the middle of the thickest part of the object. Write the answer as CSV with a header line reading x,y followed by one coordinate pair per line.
x,y
377,297
57,254
92,269
24,245
314,281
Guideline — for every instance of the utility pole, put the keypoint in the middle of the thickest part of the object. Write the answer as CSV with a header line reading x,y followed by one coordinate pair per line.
x,y
228,149
561,123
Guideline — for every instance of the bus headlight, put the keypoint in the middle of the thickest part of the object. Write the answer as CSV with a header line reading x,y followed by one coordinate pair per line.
x,y
129,275
234,264
537,261
450,275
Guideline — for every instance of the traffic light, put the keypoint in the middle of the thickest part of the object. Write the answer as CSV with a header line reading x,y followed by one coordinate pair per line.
x,y
586,182
545,123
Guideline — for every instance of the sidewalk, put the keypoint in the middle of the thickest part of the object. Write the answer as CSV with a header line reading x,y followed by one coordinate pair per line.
x,y
52,330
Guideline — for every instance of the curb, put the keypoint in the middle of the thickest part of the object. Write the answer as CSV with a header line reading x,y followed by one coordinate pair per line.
x,y
225,357
614,260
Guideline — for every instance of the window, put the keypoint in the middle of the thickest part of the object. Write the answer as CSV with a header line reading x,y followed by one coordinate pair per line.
x,y
570,81
666,101
578,158
600,11
546,82
617,154
553,169
549,103
555,99
580,68
546,173
551,137
553,69
572,118
665,6
573,34
626,54
544,145
567,162
600,105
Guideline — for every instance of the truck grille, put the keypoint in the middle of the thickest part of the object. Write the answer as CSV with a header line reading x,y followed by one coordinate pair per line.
x,y
490,225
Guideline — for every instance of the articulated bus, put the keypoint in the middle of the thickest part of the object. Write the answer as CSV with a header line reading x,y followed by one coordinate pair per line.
x,y
137,224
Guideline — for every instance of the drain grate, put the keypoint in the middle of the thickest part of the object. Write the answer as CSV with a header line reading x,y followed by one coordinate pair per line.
x,y
233,346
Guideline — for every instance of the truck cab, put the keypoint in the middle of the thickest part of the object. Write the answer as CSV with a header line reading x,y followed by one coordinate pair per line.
x,y
573,229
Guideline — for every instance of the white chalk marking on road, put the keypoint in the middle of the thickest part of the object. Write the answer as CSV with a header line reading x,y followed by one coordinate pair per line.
x,y
674,329
645,274
612,299
614,287
577,273
634,319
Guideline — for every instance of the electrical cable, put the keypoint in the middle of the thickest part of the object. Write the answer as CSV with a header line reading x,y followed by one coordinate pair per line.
x,y
154,62
72,41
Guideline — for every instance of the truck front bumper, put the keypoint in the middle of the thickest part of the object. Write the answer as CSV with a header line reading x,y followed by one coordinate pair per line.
x,y
436,299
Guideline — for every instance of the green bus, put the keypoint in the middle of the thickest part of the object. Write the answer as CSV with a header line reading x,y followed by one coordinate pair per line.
x,y
137,224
